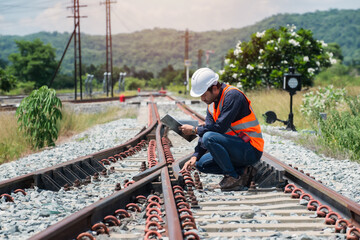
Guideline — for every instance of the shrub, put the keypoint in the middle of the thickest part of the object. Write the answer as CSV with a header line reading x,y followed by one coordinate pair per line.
x,y
340,131
268,55
7,81
134,83
338,75
37,116
156,83
25,87
321,101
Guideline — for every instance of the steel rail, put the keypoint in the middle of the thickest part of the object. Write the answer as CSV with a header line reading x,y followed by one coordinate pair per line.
x,y
178,164
172,217
188,111
153,117
81,221
338,202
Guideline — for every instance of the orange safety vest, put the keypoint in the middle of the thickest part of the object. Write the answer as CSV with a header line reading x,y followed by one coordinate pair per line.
x,y
248,125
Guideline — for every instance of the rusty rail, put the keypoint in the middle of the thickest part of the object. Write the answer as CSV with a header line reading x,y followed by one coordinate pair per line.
x,y
172,217
81,221
341,204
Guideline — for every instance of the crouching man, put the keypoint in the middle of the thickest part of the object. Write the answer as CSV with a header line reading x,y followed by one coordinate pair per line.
x,y
230,142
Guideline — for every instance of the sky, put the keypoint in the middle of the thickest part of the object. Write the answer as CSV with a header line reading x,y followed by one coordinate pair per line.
x,y
22,17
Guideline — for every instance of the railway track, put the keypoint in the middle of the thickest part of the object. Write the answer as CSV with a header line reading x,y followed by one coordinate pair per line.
x,y
11,103
143,195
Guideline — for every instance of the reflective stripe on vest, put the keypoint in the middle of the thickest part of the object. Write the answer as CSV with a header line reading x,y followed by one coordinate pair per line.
x,y
248,124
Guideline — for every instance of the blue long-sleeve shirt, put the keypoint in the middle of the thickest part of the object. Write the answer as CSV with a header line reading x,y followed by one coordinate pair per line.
x,y
235,107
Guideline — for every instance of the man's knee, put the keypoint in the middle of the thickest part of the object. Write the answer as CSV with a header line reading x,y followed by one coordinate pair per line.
x,y
208,137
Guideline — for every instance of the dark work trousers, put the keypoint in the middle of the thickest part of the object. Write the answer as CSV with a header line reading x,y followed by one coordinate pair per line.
x,y
228,155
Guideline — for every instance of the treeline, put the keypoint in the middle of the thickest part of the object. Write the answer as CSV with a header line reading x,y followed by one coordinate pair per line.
x,y
135,78
153,50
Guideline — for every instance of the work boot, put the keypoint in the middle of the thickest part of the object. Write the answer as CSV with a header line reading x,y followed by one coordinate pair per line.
x,y
221,183
232,184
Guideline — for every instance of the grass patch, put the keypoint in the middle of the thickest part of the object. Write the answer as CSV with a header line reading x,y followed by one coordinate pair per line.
x,y
279,102
73,123
338,135
13,144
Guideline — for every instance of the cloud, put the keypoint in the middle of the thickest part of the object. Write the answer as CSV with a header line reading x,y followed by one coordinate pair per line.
x,y
134,15
51,19
54,19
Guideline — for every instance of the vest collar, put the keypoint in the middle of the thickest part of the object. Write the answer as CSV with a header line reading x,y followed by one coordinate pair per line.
x,y
217,99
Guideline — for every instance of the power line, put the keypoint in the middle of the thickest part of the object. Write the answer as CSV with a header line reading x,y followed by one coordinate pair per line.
x,y
123,23
132,20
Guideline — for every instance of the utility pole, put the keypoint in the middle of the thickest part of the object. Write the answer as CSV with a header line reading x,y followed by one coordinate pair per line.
x,y
77,44
187,61
109,65
200,54
186,36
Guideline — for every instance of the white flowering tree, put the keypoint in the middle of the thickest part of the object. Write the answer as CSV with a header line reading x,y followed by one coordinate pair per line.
x,y
268,55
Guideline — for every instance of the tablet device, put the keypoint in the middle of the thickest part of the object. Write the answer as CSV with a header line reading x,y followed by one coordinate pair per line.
x,y
174,125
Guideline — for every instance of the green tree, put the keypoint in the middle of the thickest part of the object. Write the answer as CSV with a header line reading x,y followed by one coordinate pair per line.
x,y
3,63
143,74
268,55
336,50
171,76
34,62
37,116
7,81
132,83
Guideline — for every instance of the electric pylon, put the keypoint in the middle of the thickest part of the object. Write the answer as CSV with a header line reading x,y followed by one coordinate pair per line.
x,y
109,65
77,44
187,61
200,54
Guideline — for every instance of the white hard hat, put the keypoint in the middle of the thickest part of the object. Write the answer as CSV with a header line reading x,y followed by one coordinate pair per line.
x,y
201,80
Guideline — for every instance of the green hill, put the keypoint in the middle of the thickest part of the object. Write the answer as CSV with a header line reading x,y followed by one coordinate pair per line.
x,y
154,49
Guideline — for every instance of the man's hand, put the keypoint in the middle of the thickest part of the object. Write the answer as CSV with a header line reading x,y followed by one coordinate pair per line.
x,y
187,129
188,165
